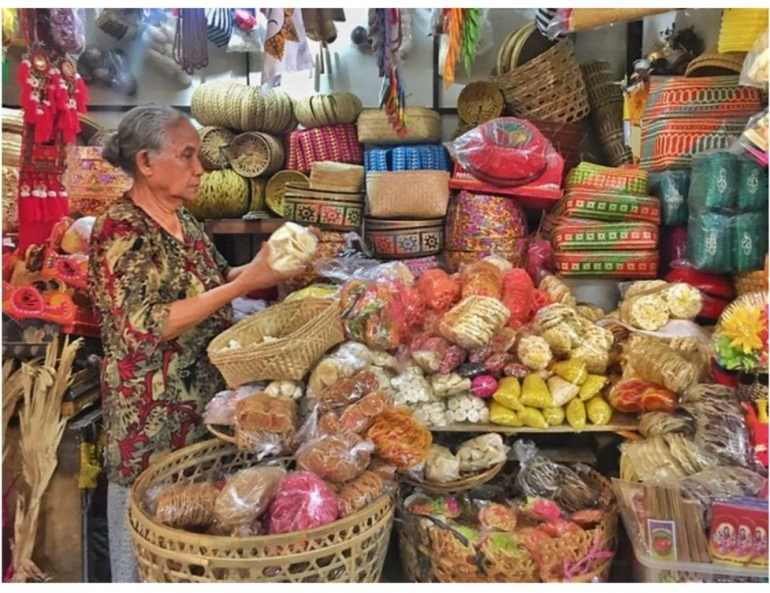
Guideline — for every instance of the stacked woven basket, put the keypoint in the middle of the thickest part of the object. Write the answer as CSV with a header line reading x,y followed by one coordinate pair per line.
x,y
478,102
606,100
407,185
12,127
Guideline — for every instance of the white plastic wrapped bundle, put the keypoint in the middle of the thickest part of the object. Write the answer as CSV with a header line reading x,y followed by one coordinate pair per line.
x,y
467,408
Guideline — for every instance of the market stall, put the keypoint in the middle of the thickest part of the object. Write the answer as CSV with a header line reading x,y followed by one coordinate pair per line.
x,y
580,266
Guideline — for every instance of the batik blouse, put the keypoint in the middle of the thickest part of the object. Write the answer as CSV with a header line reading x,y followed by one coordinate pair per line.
x,y
153,391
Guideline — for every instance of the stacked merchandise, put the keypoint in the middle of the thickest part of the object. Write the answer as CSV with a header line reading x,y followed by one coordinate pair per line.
x,y
407,186
12,128
606,224
727,200
92,183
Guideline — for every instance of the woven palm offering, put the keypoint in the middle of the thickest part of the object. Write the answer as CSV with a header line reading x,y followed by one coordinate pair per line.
x,y
479,102
213,141
221,194
348,550
459,539
252,154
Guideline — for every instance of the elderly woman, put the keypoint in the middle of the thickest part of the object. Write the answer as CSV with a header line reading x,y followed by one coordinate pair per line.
x,y
163,292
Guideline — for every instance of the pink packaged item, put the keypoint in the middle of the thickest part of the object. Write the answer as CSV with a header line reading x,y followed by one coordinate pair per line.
x,y
303,502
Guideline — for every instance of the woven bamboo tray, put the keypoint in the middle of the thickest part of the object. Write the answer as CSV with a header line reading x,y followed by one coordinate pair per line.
x,y
350,550
423,126
462,485
304,330
432,552
407,194
479,102
252,154
213,141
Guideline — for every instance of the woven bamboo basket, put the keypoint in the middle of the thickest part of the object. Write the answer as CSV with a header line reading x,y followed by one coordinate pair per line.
x,y
253,154
423,126
257,191
331,176
213,141
350,550
713,63
276,188
432,552
462,485
479,102
304,330
394,193
549,87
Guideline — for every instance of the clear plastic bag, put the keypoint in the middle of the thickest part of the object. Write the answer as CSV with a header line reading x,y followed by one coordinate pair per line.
x,y
754,139
247,495
505,151
68,29
221,409
361,492
399,438
657,363
265,425
244,39
184,506
438,289
337,457
755,65
343,363
441,465
303,502
347,391
482,452
357,417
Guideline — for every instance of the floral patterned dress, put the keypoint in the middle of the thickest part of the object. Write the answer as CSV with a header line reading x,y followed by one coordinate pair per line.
x,y
153,392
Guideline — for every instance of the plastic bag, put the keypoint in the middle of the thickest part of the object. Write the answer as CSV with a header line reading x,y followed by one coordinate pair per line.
x,y
573,371
532,417
247,495
592,386
598,411
184,506
535,393
265,425
292,247
483,386
755,65
517,292
554,416
357,417
576,414
482,452
428,351
448,385
360,493
467,408
505,151
474,321
540,261
562,391
657,363
534,352
504,416
441,465
343,363
481,279
248,32
508,393
347,391
303,502
399,438
221,409
438,289
754,139
67,29
337,457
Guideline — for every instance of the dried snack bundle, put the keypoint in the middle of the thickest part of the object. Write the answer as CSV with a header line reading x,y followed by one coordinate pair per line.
x,y
186,506
336,457
265,425
399,438
247,495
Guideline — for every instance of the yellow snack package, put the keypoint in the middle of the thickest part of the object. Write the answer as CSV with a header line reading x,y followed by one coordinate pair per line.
x,y
576,414
554,416
573,371
592,386
598,410
508,393
533,418
534,393
501,415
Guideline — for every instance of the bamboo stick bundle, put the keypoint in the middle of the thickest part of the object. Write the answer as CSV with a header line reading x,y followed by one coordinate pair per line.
x,y
13,390
42,429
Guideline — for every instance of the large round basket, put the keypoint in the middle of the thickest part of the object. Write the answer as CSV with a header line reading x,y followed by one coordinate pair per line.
x,y
213,141
351,550
463,484
433,552
302,332
479,102
276,188
253,154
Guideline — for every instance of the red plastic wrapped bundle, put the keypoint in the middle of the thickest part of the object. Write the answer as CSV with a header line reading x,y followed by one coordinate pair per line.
x,y
518,291
438,289
303,502
413,303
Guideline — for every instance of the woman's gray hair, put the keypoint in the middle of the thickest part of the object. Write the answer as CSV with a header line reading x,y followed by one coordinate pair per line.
x,y
142,128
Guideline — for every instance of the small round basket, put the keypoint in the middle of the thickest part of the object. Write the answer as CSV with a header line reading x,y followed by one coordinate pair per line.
x,y
276,188
464,484
213,141
479,102
351,550
252,154
302,333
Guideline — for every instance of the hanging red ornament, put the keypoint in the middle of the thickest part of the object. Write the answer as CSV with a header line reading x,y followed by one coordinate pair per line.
x,y
81,93
23,80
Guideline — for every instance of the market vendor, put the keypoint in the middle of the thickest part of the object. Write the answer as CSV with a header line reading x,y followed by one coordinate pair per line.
x,y
163,291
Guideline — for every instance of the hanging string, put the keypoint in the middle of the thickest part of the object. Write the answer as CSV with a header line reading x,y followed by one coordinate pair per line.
x,y
453,20
191,50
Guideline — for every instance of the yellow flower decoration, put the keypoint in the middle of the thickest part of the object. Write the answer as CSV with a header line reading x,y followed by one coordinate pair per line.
x,y
743,327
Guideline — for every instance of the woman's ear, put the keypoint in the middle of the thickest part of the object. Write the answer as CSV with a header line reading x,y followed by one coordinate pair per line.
x,y
143,164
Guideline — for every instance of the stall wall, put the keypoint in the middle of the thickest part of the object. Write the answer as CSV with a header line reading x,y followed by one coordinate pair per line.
x,y
351,69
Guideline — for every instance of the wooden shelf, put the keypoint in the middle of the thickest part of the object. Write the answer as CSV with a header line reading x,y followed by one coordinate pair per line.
x,y
238,226
619,423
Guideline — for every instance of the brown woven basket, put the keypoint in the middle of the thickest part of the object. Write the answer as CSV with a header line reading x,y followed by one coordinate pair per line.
x,y
423,126
304,330
253,154
407,194
350,550
462,485
257,191
432,552
752,281
213,141
713,63
479,102
331,176
549,87
276,188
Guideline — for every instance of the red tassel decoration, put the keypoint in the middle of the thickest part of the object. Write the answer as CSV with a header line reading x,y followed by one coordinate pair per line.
x,y
52,91
43,123
22,78
81,93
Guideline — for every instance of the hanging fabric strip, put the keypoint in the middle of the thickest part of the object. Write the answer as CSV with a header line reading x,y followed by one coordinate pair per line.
x,y
453,19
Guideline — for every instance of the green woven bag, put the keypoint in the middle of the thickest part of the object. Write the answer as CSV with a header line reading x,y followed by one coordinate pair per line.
x,y
672,188
709,242
714,182
750,241
752,190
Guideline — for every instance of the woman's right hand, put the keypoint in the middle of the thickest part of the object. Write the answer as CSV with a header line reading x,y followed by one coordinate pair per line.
x,y
258,274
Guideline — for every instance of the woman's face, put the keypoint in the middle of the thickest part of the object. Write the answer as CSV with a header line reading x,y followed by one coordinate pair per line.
x,y
176,171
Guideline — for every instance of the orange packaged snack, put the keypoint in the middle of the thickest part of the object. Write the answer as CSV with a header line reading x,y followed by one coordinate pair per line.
x,y
265,425
356,418
438,289
482,279
400,438
337,458
347,391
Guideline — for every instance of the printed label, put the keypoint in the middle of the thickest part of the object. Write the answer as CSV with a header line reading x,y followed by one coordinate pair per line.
x,y
662,537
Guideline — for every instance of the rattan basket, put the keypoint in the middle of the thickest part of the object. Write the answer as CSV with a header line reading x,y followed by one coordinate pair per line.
x,y
713,63
276,188
407,194
352,549
756,281
423,126
479,102
257,191
253,154
304,331
464,484
549,87
433,552
213,141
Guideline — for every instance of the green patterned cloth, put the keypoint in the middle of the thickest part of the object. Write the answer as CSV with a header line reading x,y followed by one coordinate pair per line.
x,y
750,243
709,242
714,182
672,188
753,188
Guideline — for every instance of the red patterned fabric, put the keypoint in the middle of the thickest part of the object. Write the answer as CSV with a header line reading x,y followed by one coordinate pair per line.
x,y
328,143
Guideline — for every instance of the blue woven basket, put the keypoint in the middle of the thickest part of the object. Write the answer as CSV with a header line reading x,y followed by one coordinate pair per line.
x,y
406,158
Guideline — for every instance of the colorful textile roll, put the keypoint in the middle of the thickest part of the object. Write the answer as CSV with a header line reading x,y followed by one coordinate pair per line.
x,y
484,222
671,188
580,235
616,264
588,176
608,207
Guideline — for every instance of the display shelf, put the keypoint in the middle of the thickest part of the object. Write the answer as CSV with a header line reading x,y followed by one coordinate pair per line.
x,y
619,423
239,226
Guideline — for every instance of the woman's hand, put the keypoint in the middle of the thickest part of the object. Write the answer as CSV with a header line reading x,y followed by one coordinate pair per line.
x,y
258,274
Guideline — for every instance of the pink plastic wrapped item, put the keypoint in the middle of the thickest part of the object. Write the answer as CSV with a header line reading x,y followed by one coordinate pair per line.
x,y
484,386
221,409
428,350
540,260
518,290
505,151
303,502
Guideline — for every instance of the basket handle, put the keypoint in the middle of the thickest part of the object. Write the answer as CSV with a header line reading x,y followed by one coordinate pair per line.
x,y
220,435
